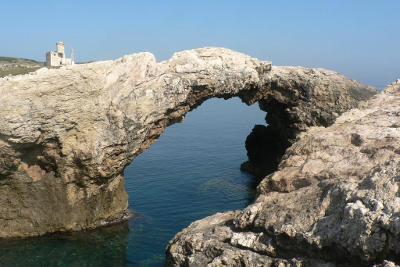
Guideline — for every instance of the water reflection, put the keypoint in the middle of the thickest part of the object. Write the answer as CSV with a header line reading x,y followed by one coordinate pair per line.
x,y
101,247
229,190
190,173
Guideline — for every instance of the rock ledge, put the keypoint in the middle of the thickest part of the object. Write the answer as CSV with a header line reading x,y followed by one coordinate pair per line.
x,y
67,134
334,201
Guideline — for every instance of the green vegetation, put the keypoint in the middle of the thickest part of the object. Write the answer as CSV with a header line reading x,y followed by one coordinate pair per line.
x,y
17,71
19,60
16,66
85,62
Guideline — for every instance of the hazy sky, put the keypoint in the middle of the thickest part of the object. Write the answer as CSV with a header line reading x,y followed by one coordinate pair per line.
x,y
360,39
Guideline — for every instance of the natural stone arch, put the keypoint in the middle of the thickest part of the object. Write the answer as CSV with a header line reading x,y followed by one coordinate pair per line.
x,y
68,134
333,201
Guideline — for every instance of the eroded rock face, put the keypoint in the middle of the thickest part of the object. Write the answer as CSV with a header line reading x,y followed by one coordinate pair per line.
x,y
66,135
320,96
334,201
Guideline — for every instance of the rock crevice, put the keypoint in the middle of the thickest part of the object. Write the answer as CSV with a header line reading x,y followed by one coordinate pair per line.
x,y
333,200
67,134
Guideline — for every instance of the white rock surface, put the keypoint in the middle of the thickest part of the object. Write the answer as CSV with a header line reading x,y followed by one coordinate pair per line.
x,y
334,200
67,134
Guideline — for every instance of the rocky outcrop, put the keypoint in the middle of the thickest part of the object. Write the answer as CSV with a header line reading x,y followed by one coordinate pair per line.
x,y
317,101
334,201
67,134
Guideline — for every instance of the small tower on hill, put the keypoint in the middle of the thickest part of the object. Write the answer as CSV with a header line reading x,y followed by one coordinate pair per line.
x,y
61,49
58,58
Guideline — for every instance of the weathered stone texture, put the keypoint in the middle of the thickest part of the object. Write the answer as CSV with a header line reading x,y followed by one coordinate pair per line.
x,y
334,200
66,135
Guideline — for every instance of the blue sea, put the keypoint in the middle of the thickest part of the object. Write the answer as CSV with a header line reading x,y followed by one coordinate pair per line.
x,y
191,172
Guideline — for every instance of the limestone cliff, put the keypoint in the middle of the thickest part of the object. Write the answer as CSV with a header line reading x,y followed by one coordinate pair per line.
x,y
334,201
67,134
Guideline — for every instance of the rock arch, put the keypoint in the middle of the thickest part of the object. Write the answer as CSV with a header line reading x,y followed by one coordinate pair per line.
x,y
67,134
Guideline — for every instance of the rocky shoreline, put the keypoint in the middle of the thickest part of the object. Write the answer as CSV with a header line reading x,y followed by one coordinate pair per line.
x,y
334,201
67,135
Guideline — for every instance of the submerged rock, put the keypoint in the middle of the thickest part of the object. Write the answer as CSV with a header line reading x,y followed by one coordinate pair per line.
x,y
67,134
226,188
334,201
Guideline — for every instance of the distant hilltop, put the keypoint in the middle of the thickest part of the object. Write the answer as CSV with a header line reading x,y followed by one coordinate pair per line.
x,y
16,66
10,66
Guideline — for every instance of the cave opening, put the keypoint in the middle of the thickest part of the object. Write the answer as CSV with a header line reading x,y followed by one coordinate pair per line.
x,y
192,171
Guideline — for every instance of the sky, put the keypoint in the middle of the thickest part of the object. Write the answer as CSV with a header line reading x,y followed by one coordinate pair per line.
x,y
360,39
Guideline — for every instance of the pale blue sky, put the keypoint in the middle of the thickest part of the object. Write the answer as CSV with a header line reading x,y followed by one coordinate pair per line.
x,y
360,39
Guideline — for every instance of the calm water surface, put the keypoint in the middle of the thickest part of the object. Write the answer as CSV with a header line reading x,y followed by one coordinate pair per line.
x,y
191,172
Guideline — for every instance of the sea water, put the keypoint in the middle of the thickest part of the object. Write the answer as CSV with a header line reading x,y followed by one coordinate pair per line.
x,y
191,172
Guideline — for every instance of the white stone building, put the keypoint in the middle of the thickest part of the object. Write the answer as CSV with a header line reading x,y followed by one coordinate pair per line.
x,y
58,58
